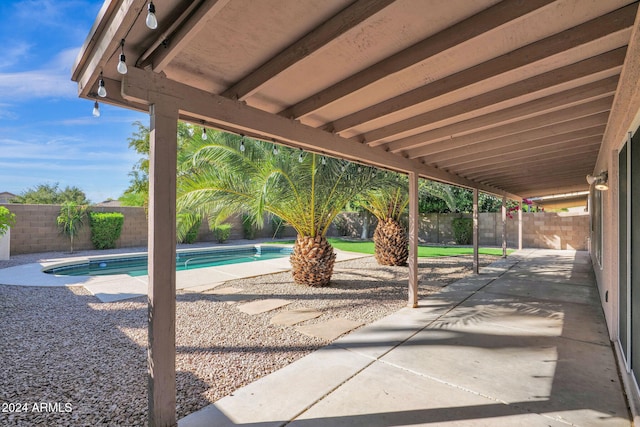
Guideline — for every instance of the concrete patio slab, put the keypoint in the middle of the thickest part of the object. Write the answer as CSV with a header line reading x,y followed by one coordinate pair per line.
x,y
545,290
281,396
469,355
263,305
329,330
292,317
379,396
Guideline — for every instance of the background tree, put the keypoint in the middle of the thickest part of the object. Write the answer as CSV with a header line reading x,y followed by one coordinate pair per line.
x,y
51,194
71,219
137,194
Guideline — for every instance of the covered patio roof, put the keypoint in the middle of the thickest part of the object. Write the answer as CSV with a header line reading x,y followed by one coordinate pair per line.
x,y
511,97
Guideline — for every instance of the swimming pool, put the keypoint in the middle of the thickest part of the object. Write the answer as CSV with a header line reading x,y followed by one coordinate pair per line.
x,y
188,259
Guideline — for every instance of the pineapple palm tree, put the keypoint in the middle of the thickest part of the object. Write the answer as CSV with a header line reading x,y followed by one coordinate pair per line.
x,y
227,174
387,203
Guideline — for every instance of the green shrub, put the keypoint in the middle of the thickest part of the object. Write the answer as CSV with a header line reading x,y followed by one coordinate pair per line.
x,y
105,228
222,232
7,219
192,234
248,228
462,230
277,226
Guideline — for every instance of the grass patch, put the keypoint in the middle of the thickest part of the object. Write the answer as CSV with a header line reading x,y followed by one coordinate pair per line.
x,y
367,247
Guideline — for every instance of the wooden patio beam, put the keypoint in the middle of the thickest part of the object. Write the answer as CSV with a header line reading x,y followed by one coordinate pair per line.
x,y
213,110
487,20
440,150
315,40
529,148
546,162
432,153
597,67
179,34
553,102
560,189
601,27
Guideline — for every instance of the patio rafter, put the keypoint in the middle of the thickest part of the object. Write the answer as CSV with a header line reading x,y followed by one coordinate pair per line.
x,y
317,39
604,65
440,151
601,27
538,106
473,26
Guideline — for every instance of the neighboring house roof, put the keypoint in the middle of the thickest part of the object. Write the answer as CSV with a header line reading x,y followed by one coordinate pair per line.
x,y
5,197
109,203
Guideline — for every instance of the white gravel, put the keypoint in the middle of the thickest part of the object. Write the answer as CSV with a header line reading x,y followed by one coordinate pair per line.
x,y
86,360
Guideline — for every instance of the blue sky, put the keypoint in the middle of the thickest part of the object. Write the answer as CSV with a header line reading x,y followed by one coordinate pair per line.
x,y
48,134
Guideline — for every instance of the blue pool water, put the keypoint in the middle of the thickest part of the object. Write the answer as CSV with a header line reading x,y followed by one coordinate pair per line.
x,y
136,265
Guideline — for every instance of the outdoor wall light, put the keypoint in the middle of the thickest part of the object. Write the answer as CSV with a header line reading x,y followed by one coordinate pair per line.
x,y
151,21
96,109
122,66
600,180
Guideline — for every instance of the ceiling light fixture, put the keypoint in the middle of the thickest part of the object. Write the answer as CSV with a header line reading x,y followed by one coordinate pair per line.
x,y
122,65
151,21
102,91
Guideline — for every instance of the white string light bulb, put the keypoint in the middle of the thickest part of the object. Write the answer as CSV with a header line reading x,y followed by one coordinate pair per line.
x,y
275,150
122,65
204,134
151,21
300,158
96,109
102,91
242,147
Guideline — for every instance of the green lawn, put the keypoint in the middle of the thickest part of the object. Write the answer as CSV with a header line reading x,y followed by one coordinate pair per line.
x,y
366,247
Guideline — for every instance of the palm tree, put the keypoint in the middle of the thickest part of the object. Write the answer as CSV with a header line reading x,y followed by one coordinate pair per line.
x,y
71,219
227,174
387,202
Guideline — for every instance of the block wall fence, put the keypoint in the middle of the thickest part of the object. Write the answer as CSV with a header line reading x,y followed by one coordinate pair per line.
x,y
36,231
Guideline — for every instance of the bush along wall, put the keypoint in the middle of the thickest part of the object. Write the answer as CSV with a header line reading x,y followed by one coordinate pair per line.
x,y
462,230
222,232
105,228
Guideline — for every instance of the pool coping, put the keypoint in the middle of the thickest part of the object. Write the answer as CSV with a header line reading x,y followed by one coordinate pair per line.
x,y
119,287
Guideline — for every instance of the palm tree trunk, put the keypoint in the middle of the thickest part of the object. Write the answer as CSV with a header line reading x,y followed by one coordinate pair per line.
x,y
391,243
312,261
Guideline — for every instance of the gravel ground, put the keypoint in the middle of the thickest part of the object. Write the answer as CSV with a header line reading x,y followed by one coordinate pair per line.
x,y
68,359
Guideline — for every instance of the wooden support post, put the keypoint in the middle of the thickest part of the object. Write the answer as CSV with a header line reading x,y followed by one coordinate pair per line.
x,y
413,240
476,259
520,226
504,226
162,264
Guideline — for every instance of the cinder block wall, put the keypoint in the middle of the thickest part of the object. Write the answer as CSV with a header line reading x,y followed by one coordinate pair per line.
x,y
547,230
36,229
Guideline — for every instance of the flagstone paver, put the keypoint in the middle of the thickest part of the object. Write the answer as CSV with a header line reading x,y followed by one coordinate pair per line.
x,y
291,317
329,330
262,306
227,290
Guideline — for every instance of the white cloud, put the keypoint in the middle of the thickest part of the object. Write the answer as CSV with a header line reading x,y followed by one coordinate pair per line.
x,y
13,53
52,80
